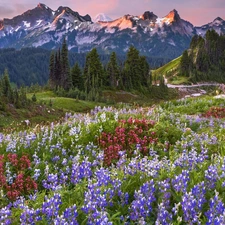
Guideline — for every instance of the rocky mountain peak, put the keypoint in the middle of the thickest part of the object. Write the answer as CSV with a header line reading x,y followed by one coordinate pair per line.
x,y
173,16
102,17
149,16
1,24
66,11
218,21
42,6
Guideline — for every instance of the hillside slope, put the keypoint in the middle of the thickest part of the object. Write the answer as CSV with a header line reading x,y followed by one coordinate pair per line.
x,y
203,61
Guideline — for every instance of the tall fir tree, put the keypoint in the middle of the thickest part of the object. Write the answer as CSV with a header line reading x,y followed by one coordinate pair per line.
x,y
76,75
52,78
58,69
66,81
132,71
184,64
93,75
145,72
6,87
113,72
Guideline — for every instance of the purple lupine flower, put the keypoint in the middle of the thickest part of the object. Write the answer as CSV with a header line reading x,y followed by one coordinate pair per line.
x,y
216,211
28,216
211,175
52,182
164,189
141,207
5,216
164,217
70,214
180,182
50,208
80,171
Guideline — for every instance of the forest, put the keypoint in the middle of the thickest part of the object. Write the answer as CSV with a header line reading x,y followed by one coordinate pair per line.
x,y
31,65
89,82
205,59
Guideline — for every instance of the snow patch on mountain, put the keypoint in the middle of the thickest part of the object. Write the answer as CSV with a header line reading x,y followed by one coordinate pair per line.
x,y
171,42
38,22
26,24
17,28
85,39
102,17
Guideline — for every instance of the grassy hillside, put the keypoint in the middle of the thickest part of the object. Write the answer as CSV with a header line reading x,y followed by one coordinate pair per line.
x,y
48,108
66,104
170,66
170,72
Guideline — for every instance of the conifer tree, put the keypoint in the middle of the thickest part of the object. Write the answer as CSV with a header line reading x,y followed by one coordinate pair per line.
x,y
133,76
58,69
93,74
52,78
144,71
76,75
113,72
6,87
17,98
184,64
66,81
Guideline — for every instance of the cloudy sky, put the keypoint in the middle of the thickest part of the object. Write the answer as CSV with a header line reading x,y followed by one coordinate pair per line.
x,y
198,12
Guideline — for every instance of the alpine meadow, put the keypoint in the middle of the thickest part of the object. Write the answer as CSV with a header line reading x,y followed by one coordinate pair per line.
x,y
112,120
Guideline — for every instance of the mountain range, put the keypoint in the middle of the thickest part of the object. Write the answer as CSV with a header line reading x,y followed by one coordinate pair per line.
x,y
153,36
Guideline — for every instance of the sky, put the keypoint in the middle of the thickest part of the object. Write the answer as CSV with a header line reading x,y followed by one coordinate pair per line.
x,y
198,12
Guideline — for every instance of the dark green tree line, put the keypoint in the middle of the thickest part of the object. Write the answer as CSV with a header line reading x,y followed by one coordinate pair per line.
x,y
205,60
134,74
59,69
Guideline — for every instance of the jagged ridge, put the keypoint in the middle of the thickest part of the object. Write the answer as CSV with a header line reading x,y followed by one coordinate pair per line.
x,y
42,27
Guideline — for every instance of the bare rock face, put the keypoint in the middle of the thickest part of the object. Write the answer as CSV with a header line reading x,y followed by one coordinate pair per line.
x,y
43,27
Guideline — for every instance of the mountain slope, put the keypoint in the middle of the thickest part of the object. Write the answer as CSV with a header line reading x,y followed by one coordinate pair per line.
x,y
42,27
102,17
203,61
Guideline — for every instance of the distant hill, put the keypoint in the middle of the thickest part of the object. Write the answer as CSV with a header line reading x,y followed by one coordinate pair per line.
x,y
203,61
31,65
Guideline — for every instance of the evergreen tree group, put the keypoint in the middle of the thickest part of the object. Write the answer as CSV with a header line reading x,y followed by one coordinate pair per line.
x,y
133,74
205,60
8,95
59,69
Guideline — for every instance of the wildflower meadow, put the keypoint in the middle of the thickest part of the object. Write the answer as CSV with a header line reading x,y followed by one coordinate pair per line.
x,y
159,165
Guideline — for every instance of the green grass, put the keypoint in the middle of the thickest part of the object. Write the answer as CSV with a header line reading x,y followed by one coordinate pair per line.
x,y
43,95
66,104
176,80
172,65
70,104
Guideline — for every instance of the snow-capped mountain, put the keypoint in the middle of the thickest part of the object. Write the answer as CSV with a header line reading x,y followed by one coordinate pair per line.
x,y
218,25
102,17
151,35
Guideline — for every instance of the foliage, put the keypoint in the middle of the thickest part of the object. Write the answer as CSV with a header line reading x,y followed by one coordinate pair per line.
x,y
93,76
128,135
176,179
167,69
136,71
204,61
31,65
217,112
